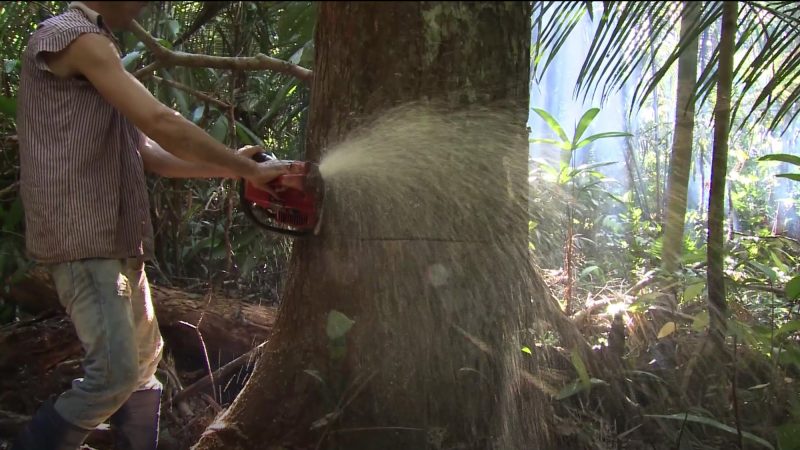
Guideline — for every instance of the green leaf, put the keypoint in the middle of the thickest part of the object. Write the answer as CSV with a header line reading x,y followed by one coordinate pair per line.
x,y
578,386
595,137
179,95
220,128
700,321
8,106
742,331
776,261
297,56
287,21
588,270
765,270
648,375
129,60
198,113
14,217
692,291
552,123
712,423
615,198
527,350
589,167
666,330
545,166
793,288
782,157
571,389
277,103
545,141
174,27
11,65
790,356
791,176
789,436
247,135
307,57
580,367
788,328
694,257
644,302
583,124
338,325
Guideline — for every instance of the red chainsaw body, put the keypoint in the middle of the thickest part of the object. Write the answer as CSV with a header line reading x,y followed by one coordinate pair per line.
x,y
294,205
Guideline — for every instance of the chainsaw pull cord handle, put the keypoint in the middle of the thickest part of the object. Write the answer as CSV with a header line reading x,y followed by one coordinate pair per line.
x,y
247,209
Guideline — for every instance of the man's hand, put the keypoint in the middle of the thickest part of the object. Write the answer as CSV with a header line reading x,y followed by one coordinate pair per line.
x,y
249,150
268,170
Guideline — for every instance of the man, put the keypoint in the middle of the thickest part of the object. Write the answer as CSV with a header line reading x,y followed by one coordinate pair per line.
x,y
88,131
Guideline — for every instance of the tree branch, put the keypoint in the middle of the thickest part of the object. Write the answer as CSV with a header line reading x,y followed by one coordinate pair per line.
x,y
146,71
166,57
195,92
771,236
764,288
221,373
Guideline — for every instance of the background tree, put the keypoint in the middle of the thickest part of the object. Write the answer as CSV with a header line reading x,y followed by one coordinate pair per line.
x,y
682,141
716,201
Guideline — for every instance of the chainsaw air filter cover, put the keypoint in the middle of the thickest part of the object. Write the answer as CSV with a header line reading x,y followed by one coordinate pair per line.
x,y
294,208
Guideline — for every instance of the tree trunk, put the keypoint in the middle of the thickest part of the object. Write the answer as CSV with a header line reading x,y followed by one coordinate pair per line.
x,y
681,157
417,250
656,135
717,303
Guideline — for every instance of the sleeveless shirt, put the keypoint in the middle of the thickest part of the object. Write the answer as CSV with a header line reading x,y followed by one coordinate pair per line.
x,y
82,180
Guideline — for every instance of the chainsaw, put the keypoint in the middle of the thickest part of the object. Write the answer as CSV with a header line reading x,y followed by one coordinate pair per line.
x,y
294,207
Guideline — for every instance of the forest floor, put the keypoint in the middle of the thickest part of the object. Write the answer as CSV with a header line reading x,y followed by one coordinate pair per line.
x,y
664,383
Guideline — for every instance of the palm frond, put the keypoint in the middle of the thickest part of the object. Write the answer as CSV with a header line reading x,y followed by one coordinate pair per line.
x,y
627,37
630,38
561,19
778,39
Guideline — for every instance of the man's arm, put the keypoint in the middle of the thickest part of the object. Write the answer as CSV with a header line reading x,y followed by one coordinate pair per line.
x,y
161,162
95,57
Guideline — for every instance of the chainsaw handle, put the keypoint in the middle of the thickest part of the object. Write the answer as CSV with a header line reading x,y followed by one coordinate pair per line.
x,y
262,157
247,208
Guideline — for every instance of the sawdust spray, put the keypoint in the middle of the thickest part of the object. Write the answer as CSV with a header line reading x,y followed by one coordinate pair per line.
x,y
455,185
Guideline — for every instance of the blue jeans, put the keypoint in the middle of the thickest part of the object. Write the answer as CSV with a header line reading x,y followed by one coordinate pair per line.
x,y
108,301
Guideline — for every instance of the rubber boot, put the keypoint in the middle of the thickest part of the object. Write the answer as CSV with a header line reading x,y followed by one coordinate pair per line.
x,y
47,430
135,424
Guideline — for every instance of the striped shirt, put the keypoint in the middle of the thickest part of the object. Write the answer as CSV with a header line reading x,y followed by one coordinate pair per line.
x,y
82,180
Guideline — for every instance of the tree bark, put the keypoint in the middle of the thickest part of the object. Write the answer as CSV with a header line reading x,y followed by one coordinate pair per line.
x,y
426,364
681,157
717,303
